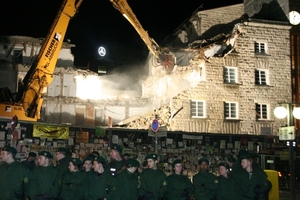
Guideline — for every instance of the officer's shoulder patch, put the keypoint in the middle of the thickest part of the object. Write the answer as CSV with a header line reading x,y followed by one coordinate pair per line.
x,y
216,181
165,183
26,180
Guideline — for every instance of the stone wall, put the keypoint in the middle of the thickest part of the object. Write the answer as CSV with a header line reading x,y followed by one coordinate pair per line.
x,y
246,93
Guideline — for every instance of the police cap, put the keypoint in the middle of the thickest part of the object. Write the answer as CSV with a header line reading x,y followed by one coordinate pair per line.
x,y
231,159
133,162
145,163
203,160
92,156
126,154
10,149
152,156
32,154
76,161
117,148
100,159
224,165
88,158
254,155
47,154
245,155
176,162
62,149
243,152
95,153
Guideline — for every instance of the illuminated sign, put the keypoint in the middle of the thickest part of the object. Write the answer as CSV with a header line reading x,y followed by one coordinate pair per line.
x,y
101,51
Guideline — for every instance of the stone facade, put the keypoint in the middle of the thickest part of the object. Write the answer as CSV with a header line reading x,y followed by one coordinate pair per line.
x,y
214,92
211,88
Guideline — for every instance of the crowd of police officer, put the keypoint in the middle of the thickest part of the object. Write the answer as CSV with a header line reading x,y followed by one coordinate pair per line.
x,y
125,179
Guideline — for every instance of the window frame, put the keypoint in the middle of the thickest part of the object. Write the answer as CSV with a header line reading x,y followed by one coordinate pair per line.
x,y
259,49
230,104
259,112
18,56
259,76
197,116
226,70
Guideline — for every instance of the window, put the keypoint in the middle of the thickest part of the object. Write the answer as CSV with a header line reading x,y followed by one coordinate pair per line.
x,y
261,77
230,75
231,110
79,114
198,109
261,111
260,48
18,56
99,116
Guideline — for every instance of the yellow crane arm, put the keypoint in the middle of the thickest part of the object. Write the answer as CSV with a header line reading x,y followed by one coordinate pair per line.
x,y
164,57
29,97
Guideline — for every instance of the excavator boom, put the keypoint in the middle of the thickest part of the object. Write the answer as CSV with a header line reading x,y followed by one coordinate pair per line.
x,y
29,99
164,57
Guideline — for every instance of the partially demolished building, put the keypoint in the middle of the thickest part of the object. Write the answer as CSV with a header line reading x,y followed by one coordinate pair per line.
x,y
231,71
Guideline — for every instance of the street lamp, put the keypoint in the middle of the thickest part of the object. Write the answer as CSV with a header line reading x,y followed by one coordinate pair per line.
x,y
288,133
280,112
296,112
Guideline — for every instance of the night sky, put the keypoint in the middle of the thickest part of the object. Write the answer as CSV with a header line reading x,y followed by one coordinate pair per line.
x,y
99,23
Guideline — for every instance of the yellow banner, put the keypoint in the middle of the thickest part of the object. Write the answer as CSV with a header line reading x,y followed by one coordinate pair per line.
x,y
46,131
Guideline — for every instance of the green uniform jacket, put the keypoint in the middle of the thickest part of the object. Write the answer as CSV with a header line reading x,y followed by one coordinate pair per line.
x,y
115,167
248,182
88,173
227,189
179,187
236,168
44,181
73,185
205,185
153,181
63,165
13,181
127,186
30,165
100,186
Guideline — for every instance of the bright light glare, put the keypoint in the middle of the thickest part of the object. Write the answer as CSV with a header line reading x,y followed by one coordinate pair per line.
x,y
194,78
280,112
160,88
124,15
88,87
296,112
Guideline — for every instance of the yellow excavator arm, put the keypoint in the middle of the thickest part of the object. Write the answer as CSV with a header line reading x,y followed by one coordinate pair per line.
x,y
29,96
164,57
